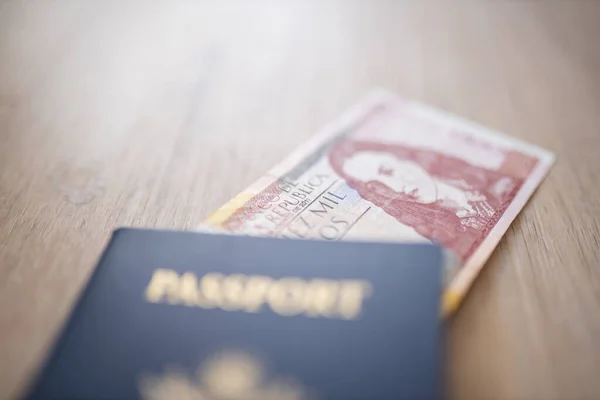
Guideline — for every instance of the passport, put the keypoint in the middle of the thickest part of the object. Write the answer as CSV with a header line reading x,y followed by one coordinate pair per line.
x,y
194,316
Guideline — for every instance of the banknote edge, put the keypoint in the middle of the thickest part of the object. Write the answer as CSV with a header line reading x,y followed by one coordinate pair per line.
x,y
466,277
474,127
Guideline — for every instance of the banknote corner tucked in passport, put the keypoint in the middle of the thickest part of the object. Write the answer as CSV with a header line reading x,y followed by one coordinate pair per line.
x,y
183,315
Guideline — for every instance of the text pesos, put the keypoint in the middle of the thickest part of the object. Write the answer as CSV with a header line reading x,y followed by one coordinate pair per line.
x,y
289,296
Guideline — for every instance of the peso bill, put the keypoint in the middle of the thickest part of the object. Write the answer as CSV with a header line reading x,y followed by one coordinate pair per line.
x,y
393,170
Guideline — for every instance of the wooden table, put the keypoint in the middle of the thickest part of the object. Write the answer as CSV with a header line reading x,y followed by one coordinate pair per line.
x,y
153,113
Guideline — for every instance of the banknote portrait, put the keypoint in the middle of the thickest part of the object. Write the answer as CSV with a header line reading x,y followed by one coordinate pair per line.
x,y
443,198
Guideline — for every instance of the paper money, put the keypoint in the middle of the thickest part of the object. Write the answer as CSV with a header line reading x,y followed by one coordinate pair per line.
x,y
393,170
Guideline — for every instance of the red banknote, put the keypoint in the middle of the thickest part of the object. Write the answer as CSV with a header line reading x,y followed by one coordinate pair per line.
x,y
394,170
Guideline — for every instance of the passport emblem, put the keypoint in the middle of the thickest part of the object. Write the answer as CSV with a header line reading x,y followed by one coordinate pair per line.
x,y
228,375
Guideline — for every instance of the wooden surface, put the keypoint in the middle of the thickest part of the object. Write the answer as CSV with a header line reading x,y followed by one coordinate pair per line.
x,y
153,113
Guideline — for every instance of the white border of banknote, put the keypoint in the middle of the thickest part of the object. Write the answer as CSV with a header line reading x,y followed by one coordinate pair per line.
x,y
460,284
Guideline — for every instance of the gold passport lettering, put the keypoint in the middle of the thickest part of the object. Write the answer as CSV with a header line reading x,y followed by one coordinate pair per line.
x,y
287,296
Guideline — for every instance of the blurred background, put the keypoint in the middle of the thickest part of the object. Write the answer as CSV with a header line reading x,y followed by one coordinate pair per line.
x,y
154,113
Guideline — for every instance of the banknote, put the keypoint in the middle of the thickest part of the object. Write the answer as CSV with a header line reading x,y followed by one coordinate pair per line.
x,y
390,169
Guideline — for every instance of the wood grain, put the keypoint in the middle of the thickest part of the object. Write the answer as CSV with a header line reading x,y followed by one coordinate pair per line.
x,y
153,113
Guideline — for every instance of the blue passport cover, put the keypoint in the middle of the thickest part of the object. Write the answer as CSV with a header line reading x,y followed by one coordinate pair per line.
x,y
193,316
